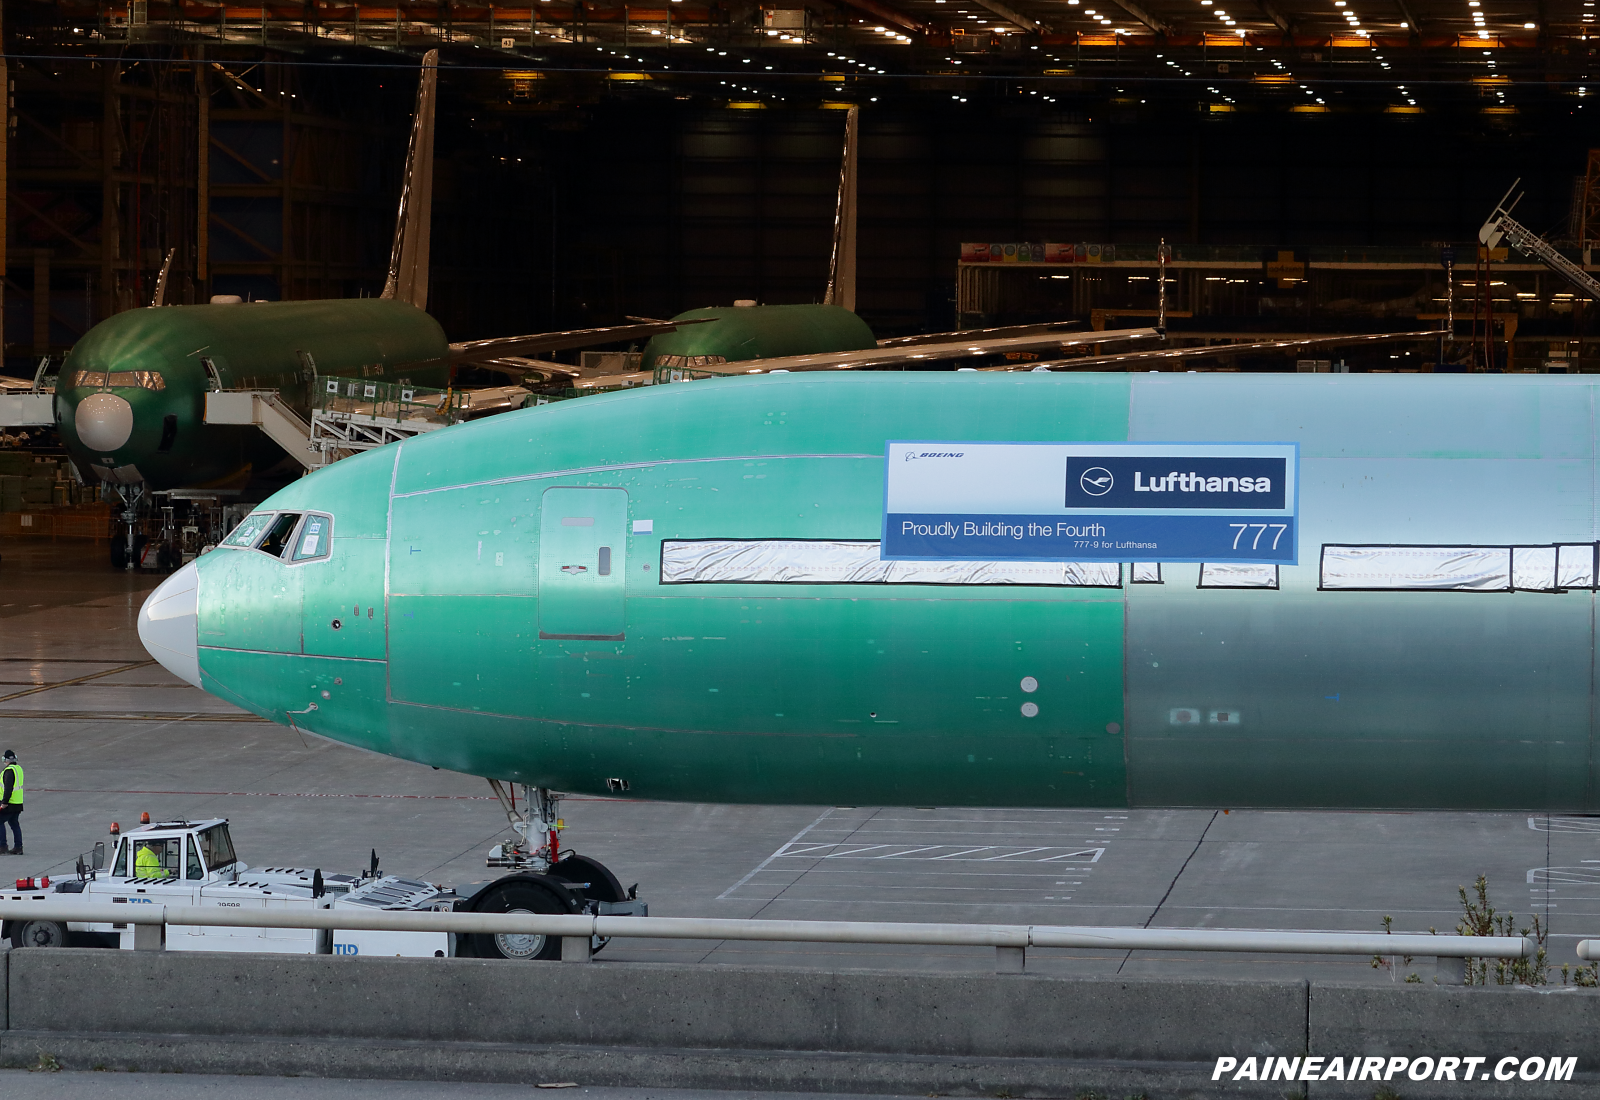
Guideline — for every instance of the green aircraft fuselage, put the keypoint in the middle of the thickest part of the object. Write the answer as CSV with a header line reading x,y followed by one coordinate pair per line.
x,y
462,617
148,371
756,332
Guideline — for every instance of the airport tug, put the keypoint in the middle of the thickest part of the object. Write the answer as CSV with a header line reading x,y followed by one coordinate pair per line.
x,y
193,863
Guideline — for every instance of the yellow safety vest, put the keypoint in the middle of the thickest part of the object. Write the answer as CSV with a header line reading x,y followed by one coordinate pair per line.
x,y
148,865
16,784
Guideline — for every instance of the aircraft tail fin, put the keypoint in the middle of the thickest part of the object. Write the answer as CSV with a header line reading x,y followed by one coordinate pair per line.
x,y
160,296
842,271
408,260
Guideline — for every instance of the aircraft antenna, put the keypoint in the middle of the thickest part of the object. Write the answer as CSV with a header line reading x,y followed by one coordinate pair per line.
x,y
842,268
408,260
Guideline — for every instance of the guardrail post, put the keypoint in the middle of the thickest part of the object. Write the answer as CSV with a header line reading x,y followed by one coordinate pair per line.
x,y
150,937
1449,971
1010,960
575,949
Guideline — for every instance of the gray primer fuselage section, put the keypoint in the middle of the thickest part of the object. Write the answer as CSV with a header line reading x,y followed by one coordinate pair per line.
x,y
1376,698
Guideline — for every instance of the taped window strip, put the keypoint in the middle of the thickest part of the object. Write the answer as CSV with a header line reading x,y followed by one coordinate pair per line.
x,y
1577,564
1533,568
1145,572
1238,575
844,561
1555,567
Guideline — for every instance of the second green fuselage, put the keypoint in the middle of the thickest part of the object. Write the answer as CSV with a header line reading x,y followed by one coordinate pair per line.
x,y
148,371
738,333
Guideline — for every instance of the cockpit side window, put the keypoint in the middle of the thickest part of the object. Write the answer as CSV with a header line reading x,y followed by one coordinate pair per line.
x,y
244,536
315,539
279,535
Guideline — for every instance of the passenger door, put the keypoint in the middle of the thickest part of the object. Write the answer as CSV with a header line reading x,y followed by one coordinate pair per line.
x,y
582,559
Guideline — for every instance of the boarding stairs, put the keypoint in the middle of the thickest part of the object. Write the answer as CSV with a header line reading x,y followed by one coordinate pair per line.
x,y
267,410
347,415
34,405
1502,226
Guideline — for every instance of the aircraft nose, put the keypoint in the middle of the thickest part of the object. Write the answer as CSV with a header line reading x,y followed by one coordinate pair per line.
x,y
168,624
104,422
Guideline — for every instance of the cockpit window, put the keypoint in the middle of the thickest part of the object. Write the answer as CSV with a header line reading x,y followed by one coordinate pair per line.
x,y
278,535
144,379
315,538
126,379
244,536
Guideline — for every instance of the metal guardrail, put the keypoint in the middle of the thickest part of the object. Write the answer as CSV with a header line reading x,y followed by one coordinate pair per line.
x,y
1010,940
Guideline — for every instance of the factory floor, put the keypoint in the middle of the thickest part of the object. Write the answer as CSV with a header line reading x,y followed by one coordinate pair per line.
x,y
105,734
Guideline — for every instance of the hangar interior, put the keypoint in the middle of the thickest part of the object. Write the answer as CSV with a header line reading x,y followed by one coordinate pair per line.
x,y
1312,165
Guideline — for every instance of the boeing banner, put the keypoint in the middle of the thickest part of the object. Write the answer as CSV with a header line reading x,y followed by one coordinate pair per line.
x,y
1145,502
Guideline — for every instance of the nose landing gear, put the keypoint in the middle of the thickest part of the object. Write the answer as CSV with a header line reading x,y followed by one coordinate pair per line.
x,y
126,551
544,879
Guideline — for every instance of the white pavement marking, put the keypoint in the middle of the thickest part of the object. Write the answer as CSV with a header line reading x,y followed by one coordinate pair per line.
x,y
762,866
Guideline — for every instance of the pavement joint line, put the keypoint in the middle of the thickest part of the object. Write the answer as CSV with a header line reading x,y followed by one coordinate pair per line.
x,y
66,660
265,794
123,716
77,680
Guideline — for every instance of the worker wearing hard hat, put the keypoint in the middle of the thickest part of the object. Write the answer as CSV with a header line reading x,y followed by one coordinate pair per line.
x,y
147,864
10,802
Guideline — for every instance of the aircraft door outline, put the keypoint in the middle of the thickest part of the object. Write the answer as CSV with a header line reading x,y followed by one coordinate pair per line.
x,y
582,557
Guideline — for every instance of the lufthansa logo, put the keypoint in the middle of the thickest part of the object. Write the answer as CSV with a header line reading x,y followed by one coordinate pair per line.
x,y
1095,481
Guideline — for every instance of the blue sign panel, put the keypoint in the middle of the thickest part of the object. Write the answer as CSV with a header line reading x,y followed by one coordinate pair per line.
x,y
1145,502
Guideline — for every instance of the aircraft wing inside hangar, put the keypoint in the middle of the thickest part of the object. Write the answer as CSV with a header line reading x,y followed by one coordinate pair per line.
x,y
1132,359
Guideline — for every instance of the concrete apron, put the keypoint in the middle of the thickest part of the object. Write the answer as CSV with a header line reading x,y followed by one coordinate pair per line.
x,y
649,1025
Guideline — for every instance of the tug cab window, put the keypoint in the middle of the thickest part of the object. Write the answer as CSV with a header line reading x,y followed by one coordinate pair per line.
x,y
156,857
315,539
279,534
216,847
193,868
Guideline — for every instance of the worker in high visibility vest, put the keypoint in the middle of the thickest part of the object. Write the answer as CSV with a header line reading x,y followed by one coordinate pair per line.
x,y
10,802
147,864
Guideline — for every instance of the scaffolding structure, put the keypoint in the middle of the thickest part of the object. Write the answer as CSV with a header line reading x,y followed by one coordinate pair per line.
x,y
156,150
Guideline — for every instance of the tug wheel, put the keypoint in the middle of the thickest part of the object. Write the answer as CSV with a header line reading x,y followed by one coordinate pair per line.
x,y
517,896
38,933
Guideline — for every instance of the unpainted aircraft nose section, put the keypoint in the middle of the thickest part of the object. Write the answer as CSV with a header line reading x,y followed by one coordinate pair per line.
x,y
168,624
104,422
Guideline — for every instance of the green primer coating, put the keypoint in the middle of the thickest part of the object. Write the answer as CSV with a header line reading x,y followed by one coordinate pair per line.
x,y
266,345
761,332
733,693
